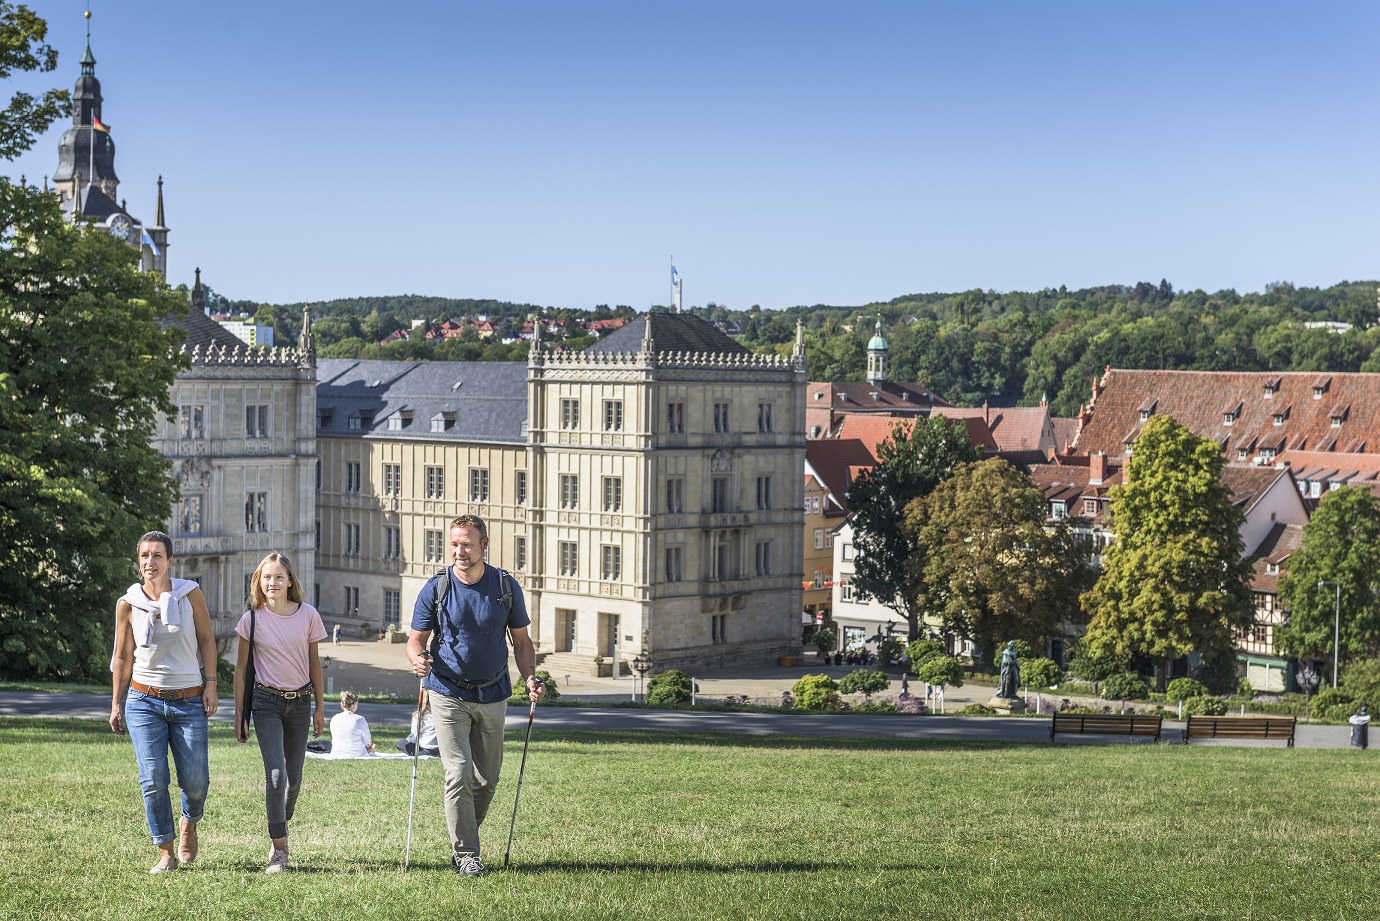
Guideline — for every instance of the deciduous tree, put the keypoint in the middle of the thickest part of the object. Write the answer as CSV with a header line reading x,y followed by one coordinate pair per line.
x,y
910,463
1174,581
986,563
1341,543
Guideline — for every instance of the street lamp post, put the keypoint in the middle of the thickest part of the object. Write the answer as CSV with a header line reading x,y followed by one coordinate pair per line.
x,y
642,664
1336,627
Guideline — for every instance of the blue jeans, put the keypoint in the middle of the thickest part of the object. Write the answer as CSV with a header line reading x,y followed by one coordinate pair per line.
x,y
282,727
155,726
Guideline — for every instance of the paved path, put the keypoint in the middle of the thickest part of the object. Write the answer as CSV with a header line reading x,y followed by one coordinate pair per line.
x,y
833,726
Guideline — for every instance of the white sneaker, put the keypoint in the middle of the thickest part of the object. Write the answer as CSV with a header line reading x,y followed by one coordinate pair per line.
x,y
277,861
467,865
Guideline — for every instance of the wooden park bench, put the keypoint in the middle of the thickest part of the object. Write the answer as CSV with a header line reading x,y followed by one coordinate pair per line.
x,y
1105,724
1241,727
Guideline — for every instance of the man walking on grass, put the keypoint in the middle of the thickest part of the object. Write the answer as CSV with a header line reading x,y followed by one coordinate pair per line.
x,y
457,645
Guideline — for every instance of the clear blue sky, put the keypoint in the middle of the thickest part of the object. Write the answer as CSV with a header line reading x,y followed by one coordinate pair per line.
x,y
786,153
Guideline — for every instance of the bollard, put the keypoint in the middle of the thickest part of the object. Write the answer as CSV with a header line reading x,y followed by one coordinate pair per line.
x,y
1360,729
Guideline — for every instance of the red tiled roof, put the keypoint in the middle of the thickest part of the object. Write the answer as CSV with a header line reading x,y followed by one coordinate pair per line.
x,y
833,460
1065,430
1014,428
872,396
872,430
1200,400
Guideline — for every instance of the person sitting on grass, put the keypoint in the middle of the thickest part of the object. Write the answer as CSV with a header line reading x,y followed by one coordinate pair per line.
x,y
406,746
350,736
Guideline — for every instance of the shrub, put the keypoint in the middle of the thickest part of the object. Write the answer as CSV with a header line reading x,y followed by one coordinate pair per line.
x,y
1185,688
825,639
1041,673
1362,681
876,706
923,650
1205,706
670,688
864,681
1088,666
1327,698
816,692
1126,686
977,710
520,688
941,670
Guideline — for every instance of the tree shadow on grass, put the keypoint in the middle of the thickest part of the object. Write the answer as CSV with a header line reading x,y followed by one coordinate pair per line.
x,y
703,866
594,737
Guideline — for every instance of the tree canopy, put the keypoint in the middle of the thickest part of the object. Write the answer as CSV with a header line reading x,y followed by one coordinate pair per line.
x,y
985,562
1341,544
22,49
911,463
1173,581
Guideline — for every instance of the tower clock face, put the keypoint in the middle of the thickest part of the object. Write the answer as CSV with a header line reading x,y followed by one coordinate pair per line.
x,y
118,225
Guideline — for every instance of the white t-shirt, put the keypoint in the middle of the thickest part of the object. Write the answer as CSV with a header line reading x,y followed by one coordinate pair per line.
x,y
350,736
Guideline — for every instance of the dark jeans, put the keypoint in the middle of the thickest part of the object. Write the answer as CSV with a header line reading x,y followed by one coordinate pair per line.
x,y
282,727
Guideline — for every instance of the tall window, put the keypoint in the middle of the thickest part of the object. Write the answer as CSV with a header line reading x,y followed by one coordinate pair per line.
x,y
721,417
675,564
764,492
568,558
256,511
520,488
392,543
675,418
570,490
189,515
613,494
570,414
191,421
764,558
520,554
435,547
352,540
318,538
613,415
819,538
613,563
479,484
392,607
435,483
256,420
720,494
351,601
352,476
675,495
392,479
718,628
764,423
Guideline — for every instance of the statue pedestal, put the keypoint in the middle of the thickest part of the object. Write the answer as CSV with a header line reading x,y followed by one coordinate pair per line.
x,y
1007,705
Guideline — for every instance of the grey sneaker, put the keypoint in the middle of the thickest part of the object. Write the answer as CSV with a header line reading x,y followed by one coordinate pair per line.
x,y
277,861
468,865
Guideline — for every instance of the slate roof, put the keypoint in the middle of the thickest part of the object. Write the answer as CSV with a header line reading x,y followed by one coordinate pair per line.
x,y
1065,431
872,396
671,332
484,401
202,331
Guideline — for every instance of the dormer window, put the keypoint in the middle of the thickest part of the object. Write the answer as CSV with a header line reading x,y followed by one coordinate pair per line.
x,y
442,422
1318,393
1271,569
1089,506
1279,418
399,421
1228,418
1269,391
1338,415
1336,422
1147,409
1145,415
1241,454
1058,510
1267,455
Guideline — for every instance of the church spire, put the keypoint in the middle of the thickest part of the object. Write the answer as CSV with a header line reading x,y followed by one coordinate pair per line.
x,y
158,212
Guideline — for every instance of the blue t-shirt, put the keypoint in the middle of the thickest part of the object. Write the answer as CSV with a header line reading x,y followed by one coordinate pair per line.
x,y
470,643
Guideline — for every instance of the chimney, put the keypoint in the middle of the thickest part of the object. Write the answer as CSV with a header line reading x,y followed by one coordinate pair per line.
x,y
1082,417
986,415
1097,469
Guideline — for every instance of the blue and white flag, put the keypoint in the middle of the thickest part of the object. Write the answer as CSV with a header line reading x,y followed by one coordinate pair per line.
x,y
148,241
675,276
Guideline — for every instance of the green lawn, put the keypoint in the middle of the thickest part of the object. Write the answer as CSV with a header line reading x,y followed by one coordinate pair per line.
x,y
655,825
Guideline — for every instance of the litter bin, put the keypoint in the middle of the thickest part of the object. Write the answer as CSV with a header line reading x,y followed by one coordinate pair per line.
x,y
1360,729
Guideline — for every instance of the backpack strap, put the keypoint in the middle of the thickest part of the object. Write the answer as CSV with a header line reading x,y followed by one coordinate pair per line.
x,y
438,599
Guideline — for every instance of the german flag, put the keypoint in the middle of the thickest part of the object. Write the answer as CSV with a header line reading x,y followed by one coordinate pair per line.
x,y
99,126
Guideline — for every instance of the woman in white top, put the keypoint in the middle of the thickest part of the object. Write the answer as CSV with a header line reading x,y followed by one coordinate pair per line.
x,y
159,695
350,737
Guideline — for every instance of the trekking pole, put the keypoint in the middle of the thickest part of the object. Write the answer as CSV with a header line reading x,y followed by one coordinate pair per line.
x,y
531,713
416,753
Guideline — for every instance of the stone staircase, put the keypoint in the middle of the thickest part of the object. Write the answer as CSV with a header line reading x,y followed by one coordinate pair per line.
x,y
568,663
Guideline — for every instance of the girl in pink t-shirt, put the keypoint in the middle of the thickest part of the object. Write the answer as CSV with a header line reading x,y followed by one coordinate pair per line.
x,y
287,679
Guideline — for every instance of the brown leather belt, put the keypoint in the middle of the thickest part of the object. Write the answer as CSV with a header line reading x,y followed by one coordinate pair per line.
x,y
304,691
166,693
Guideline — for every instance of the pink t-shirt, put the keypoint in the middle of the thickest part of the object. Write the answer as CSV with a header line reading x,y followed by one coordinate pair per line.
x,y
282,645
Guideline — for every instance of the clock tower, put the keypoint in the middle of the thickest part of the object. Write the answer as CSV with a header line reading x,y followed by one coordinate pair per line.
x,y
85,179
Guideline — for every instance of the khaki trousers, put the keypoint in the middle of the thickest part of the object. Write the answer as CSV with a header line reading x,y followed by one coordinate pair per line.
x,y
470,739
